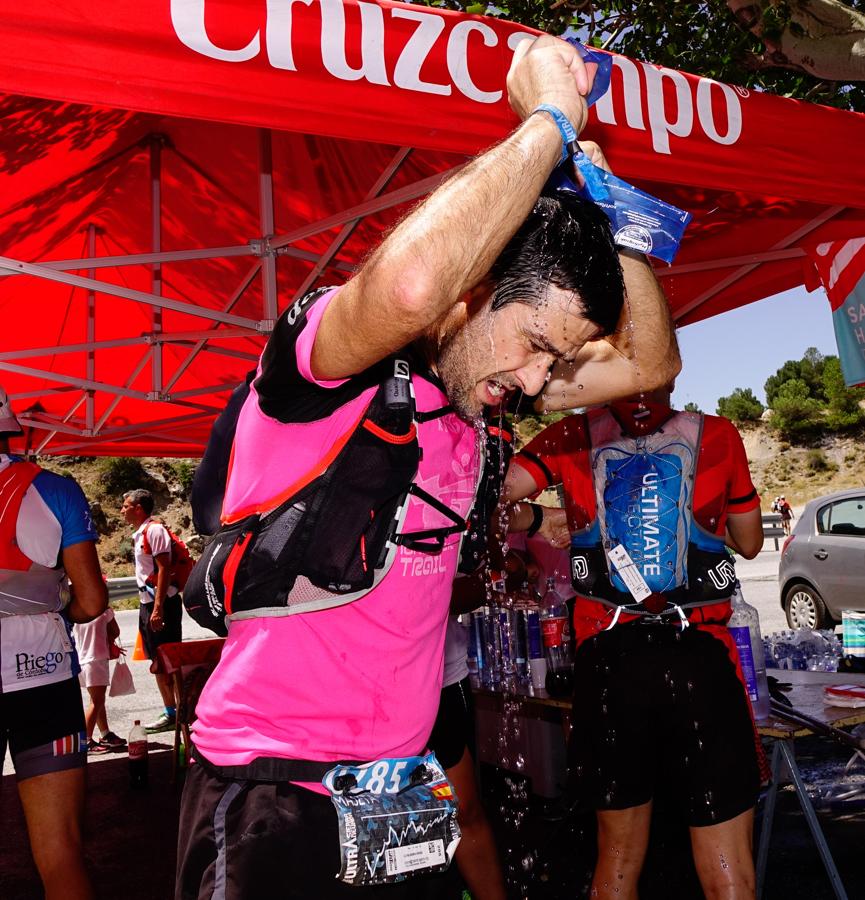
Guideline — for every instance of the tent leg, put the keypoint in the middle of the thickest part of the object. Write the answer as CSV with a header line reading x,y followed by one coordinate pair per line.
x,y
265,201
89,415
156,246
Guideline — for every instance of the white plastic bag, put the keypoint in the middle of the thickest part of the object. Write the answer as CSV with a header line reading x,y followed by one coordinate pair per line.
x,y
121,680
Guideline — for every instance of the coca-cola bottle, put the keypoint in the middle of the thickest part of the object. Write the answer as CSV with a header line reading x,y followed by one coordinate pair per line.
x,y
137,748
557,642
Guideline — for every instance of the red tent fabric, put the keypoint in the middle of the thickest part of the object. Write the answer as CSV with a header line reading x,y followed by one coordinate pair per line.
x,y
173,128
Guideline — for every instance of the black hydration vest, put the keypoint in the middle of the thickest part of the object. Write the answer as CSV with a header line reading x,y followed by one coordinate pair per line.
x,y
336,537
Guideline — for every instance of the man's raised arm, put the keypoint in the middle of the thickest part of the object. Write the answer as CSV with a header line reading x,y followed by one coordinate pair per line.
x,y
448,244
641,355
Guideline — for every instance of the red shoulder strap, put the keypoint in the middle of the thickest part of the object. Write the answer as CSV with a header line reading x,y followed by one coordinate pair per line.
x,y
14,481
145,543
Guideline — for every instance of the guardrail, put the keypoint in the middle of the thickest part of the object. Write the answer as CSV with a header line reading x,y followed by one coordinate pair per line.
x,y
122,587
772,527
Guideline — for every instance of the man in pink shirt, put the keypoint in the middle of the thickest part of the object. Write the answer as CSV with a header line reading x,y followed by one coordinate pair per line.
x,y
485,287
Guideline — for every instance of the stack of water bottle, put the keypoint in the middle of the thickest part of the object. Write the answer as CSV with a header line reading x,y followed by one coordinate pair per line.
x,y
803,650
521,642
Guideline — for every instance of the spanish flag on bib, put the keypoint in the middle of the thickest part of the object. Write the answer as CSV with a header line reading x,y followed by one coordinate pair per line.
x,y
841,267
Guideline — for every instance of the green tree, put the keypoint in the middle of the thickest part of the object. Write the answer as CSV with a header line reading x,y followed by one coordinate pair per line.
x,y
809,49
808,369
690,406
740,406
844,410
795,411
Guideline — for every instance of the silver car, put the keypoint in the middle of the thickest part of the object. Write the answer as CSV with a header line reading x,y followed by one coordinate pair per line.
x,y
822,567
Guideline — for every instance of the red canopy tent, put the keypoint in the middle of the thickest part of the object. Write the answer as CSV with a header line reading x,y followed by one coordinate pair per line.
x,y
175,173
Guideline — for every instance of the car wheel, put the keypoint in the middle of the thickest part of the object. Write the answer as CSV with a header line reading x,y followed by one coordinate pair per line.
x,y
805,608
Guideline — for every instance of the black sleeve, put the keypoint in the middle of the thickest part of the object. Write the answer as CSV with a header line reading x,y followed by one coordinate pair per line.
x,y
284,394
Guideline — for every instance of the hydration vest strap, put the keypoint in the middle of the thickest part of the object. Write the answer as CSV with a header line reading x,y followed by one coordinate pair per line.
x,y
422,417
15,479
271,769
431,540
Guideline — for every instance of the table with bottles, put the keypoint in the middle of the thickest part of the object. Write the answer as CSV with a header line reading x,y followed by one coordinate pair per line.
x,y
520,662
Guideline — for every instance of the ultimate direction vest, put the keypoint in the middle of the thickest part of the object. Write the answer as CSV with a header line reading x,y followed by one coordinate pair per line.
x,y
644,491
26,588
336,536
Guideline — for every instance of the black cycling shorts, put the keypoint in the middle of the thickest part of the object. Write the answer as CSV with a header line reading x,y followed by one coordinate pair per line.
x,y
242,840
454,729
172,632
659,710
44,729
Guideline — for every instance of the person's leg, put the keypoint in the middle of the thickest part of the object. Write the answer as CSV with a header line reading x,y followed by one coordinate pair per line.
x,y
90,713
54,807
166,690
95,714
476,856
152,640
623,836
724,858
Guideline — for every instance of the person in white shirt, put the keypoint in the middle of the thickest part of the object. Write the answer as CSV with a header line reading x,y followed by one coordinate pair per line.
x,y
160,609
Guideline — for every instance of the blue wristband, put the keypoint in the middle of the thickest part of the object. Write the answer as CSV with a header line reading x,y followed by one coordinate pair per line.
x,y
569,135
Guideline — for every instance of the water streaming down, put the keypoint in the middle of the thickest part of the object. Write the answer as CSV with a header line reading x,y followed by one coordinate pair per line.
x,y
524,865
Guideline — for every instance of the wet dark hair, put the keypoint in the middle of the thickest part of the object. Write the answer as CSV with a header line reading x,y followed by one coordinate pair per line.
x,y
568,242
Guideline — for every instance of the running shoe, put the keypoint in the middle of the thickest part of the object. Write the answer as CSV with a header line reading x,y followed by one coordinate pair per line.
x,y
96,747
112,741
163,722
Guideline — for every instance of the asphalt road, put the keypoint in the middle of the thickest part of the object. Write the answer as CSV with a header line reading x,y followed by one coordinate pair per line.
x,y
759,578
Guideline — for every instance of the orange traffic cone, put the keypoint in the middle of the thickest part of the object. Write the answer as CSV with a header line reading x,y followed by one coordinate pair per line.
x,y
138,652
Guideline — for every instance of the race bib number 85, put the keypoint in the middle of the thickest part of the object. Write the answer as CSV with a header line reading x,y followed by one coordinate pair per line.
x,y
397,817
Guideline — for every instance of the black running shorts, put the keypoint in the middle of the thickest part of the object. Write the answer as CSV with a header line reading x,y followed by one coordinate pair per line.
x,y
241,840
172,612
44,729
658,710
454,729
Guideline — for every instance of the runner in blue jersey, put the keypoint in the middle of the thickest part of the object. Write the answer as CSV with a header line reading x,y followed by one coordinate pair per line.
x,y
49,578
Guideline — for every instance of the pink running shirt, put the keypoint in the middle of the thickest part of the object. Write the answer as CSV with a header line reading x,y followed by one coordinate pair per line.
x,y
361,681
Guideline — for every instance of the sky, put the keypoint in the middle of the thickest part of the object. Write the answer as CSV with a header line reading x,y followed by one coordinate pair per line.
x,y
742,348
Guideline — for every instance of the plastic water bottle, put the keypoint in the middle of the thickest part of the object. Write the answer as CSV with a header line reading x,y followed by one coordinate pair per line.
x,y
137,747
535,644
478,637
520,639
557,642
744,626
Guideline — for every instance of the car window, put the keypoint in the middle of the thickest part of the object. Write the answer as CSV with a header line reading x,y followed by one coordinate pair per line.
x,y
845,517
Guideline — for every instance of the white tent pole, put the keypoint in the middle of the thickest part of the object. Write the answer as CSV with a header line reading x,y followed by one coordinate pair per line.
x,y
180,337
66,418
201,344
266,217
88,445
727,262
142,259
83,383
90,369
733,277
139,259
345,232
156,245
104,287
130,380
197,392
394,198
46,423
45,392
